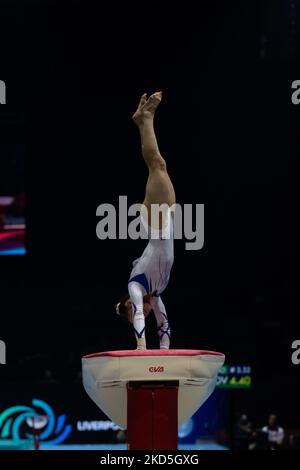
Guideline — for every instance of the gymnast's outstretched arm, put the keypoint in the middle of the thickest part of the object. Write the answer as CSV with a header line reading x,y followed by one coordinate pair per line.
x,y
138,318
163,328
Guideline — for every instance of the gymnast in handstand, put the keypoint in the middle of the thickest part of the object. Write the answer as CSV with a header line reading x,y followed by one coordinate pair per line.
x,y
151,272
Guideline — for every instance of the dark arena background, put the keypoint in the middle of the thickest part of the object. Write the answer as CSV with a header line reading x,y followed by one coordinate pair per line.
x,y
229,131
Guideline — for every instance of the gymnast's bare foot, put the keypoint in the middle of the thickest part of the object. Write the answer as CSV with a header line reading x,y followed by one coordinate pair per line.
x,y
147,107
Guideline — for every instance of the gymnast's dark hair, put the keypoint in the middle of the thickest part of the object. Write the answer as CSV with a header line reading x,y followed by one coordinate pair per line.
x,y
121,309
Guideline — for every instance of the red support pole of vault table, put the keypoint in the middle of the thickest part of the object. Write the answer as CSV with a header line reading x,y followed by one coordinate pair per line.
x,y
152,415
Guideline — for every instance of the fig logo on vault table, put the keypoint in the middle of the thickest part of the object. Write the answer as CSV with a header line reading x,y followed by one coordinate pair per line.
x,y
14,423
155,370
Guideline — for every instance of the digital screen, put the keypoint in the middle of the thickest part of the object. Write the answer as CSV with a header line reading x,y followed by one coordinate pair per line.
x,y
234,376
12,200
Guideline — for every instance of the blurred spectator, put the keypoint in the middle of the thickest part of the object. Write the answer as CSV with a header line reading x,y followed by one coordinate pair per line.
x,y
275,433
242,433
259,440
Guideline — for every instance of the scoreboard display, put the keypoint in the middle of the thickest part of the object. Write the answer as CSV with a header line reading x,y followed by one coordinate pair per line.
x,y
234,376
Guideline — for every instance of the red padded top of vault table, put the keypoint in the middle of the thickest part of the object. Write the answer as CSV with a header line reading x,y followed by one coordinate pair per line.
x,y
156,352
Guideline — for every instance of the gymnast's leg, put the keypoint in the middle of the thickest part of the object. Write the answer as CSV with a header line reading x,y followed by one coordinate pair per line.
x,y
159,188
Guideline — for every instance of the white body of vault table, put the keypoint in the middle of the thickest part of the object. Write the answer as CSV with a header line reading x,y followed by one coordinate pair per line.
x,y
106,375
